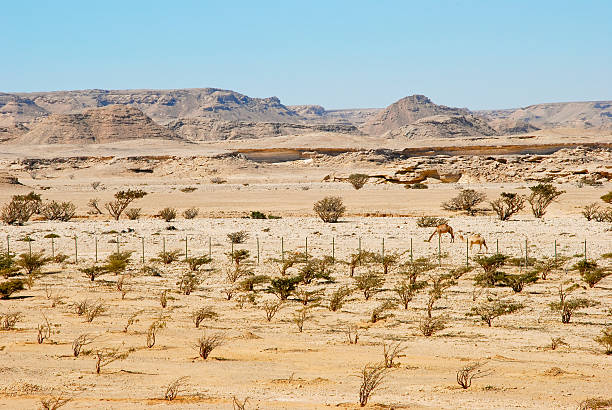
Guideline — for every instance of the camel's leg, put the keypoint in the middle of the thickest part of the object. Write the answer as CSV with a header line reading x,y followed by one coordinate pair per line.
x,y
486,247
432,235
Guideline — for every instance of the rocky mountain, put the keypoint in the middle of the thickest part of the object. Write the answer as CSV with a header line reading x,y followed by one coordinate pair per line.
x,y
209,129
405,112
443,126
590,114
95,125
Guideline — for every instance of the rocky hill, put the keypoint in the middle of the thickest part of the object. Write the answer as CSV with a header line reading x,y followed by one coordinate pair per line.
x,y
95,125
443,126
210,129
405,112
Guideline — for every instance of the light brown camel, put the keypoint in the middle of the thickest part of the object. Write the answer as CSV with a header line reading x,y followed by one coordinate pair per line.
x,y
475,239
440,229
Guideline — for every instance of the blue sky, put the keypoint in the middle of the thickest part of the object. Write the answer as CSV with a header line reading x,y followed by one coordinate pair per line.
x,y
340,54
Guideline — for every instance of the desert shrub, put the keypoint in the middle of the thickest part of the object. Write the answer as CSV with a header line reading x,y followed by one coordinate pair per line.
x,y
466,200
239,405
406,290
79,342
283,287
489,265
191,213
568,306
330,209
203,313
388,261
545,266
338,298
174,388
466,374
391,352
94,310
300,317
54,402
60,258
131,320
167,214
188,282
94,207
154,327
257,215
58,211
307,297
591,210
418,185
195,262
607,198
188,189
238,237
8,287
168,257
206,344
117,262
106,356
352,334
508,204
9,320
359,258
494,308
438,284
603,215
379,311
20,209
93,272
369,283
414,268
431,325
358,180
316,268
271,308
595,404
133,213
32,263
217,180
516,281
122,200
605,339
542,195
555,342
248,284
430,221
371,377
289,260
590,271
44,330
7,265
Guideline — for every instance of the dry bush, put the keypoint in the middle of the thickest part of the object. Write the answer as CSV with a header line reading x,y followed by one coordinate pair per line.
x,y
308,297
7,288
106,356
54,402
32,263
430,325
203,313
217,180
352,333
591,210
605,339
154,327
591,273
358,180
547,265
595,404
133,213
430,221
191,213
20,209
466,200
44,330
58,211
95,185
248,284
94,207
229,292
508,204
494,308
438,284
405,291
516,281
379,311
94,310
490,265
369,283
300,317
416,267
168,257
122,200
568,306
603,215
206,344
466,374
271,308
239,405
188,282
9,320
174,388
542,195
238,237
81,307
372,375
330,209
79,342
391,352
7,265
131,320
167,214
163,298
338,298
316,268
556,342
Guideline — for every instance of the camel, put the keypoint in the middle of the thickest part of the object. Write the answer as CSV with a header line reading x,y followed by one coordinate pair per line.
x,y
440,229
475,239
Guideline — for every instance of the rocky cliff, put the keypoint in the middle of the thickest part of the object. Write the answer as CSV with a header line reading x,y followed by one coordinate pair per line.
x,y
443,126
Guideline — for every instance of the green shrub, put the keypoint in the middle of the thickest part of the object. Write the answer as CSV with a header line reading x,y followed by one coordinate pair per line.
x,y
7,288
358,180
283,287
430,221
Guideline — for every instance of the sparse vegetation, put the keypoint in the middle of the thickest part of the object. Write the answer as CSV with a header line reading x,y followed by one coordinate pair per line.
x,y
568,306
203,313
494,308
508,204
20,209
191,213
58,211
238,237
369,284
8,287
371,378
167,214
358,180
330,209
133,213
206,344
542,195
466,374
467,200
338,298
122,200
430,221
605,339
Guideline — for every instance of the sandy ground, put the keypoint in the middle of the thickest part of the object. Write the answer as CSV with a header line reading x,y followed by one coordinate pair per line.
x,y
271,363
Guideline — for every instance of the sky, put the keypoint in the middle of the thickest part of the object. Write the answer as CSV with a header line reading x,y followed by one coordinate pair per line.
x,y
338,54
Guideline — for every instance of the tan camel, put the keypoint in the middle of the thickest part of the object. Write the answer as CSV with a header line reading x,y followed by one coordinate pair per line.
x,y
475,239
440,229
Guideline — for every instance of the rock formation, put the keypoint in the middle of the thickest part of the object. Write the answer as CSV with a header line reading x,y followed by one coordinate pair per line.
x,y
443,126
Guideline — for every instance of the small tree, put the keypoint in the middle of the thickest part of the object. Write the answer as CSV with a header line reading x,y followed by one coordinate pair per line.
x,y
389,260
196,262
606,339
338,298
105,357
369,284
508,204
167,214
7,288
545,266
379,311
467,200
330,209
206,344
371,377
489,265
154,327
391,352
238,237
32,263
494,308
466,374
358,180
203,313
20,209
58,211
607,198
300,317
568,306
542,195
516,281
283,287
271,308
591,273
430,325
590,211
188,282
117,262
406,290
438,285
122,200
93,272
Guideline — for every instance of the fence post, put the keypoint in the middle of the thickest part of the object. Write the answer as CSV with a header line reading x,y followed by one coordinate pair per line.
x,y
526,254
306,248
282,249
96,239
117,244
209,248
258,250
439,250
333,249
143,251
411,250
164,244
497,248
185,247
30,245
585,250
383,248
359,247
8,245
76,250
555,250
467,252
